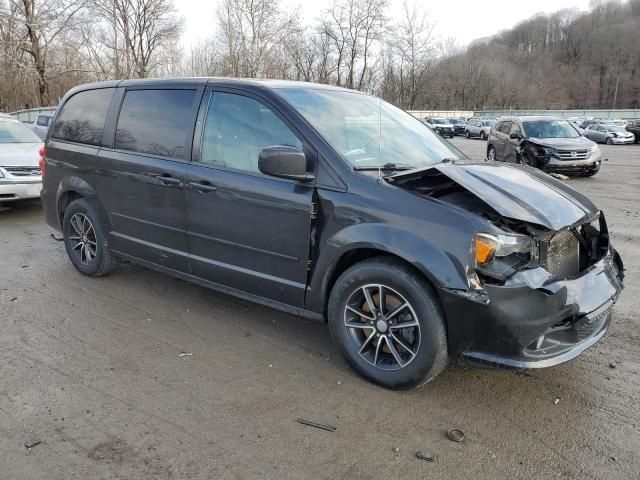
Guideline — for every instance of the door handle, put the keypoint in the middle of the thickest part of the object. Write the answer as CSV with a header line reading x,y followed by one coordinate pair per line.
x,y
168,180
203,187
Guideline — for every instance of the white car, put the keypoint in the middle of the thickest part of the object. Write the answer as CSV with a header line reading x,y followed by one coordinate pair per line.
x,y
478,128
20,151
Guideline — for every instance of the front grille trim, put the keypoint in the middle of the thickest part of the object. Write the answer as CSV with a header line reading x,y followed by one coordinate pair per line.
x,y
580,154
563,255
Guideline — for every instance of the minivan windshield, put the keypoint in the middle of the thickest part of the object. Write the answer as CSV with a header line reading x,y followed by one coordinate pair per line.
x,y
549,129
368,132
12,131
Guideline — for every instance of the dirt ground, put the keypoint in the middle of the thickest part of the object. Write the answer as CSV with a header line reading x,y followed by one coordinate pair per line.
x,y
92,369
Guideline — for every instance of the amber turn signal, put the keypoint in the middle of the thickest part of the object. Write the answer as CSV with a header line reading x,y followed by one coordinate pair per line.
x,y
485,249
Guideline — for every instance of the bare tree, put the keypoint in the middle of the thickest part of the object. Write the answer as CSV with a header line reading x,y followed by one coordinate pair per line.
x,y
251,35
37,25
145,29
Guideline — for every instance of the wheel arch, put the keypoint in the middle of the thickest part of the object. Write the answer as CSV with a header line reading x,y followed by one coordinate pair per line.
x,y
434,265
73,188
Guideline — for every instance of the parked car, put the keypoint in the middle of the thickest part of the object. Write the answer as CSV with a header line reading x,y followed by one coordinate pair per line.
x,y
478,128
609,134
442,126
41,125
459,125
633,126
548,143
19,154
291,195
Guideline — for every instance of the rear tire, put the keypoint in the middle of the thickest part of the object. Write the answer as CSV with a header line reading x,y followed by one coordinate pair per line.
x,y
483,136
85,240
401,344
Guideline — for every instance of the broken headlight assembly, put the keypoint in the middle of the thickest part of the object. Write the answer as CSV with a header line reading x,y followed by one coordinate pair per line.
x,y
499,256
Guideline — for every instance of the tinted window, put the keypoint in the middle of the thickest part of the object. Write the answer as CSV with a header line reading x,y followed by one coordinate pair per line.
x,y
82,117
237,128
155,122
504,127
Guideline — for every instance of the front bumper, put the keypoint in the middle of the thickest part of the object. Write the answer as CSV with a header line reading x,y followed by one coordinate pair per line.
x,y
12,189
590,164
530,323
622,141
445,132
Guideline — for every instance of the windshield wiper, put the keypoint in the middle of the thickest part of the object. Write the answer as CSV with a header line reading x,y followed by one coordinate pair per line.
x,y
386,166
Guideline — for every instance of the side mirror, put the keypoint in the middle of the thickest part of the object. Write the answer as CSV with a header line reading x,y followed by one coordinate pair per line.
x,y
284,162
515,136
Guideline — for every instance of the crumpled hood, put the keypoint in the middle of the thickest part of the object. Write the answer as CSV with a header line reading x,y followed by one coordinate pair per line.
x,y
516,192
19,154
564,143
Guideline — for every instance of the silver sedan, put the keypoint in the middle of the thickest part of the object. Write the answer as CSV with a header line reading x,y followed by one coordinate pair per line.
x,y
609,134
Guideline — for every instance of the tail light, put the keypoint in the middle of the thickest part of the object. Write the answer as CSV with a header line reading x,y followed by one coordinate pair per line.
x,y
42,162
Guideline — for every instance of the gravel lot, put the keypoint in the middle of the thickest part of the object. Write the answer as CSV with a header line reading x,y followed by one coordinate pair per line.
x,y
91,368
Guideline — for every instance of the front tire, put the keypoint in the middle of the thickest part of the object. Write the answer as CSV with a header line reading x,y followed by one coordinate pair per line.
x,y
482,136
491,153
467,134
387,323
85,239
609,142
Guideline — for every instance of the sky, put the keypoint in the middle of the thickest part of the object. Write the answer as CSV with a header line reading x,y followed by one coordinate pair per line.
x,y
463,20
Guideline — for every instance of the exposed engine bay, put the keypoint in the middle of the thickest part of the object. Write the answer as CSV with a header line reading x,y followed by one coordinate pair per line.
x,y
564,246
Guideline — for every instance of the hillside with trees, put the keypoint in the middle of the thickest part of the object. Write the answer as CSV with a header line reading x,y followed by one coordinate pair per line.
x,y
568,59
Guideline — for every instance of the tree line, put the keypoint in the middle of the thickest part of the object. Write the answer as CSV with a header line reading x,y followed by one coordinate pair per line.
x,y
568,59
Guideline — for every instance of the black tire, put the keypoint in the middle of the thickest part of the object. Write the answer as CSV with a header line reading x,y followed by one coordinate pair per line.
x,y
489,150
467,134
482,136
608,141
430,355
93,257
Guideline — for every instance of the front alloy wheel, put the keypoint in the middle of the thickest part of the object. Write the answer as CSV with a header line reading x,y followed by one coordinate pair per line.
x,y
383,326
491,154
387,321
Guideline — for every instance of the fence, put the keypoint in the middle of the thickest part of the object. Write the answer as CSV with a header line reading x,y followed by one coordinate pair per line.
x,y
626,114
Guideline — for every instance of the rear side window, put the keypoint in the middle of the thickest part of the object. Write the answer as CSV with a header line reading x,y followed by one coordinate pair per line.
x,y
155,122
82,117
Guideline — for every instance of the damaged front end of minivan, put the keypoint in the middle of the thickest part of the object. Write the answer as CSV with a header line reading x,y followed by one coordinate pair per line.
x,y
543,278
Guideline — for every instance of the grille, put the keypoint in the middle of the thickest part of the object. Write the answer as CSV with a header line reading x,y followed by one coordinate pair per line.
x,y
586,328
23,171
572,154
563,255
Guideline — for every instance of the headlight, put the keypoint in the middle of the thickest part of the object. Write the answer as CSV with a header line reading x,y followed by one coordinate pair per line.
x,y
1,173
499,256
594,148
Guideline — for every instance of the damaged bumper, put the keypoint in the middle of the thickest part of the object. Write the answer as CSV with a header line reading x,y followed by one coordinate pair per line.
x,y
532,324
561,165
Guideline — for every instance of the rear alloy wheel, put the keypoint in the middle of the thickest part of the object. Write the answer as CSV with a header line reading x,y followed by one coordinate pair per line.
x,y
388,324
491,154
84,239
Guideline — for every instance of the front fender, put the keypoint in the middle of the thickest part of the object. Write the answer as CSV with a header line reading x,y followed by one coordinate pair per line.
x,y
443,269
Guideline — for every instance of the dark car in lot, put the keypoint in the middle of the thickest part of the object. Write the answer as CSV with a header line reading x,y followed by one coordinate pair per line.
x,y
292,195
459,125
633,126
548,143
442,126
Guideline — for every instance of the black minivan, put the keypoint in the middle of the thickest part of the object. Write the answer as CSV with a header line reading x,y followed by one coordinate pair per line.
x,y
331,204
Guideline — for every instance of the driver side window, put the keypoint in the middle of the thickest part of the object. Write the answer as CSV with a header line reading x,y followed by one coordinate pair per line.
x,y
237,128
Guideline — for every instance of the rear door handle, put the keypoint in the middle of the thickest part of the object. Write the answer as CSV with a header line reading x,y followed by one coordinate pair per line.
x,y
204,187
168,180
